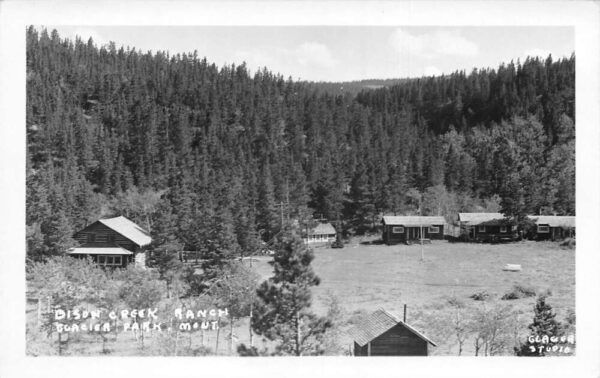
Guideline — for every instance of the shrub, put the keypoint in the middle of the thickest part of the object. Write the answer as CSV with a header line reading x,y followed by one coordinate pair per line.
x,y
480,296
518,292
357,317
568,243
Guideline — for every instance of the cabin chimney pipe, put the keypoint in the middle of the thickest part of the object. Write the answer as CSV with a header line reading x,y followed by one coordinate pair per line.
x,y
404,313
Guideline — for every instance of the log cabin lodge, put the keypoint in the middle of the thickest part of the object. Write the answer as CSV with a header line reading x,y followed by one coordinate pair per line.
x,y
383,334
407,229
113,242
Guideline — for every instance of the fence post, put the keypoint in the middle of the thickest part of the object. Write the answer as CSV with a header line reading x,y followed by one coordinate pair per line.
x,y
39,312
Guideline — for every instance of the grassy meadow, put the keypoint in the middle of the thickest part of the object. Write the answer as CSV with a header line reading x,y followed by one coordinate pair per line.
x,y
364,276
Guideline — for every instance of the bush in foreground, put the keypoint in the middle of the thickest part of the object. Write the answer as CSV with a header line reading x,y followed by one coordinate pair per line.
x,y
518,292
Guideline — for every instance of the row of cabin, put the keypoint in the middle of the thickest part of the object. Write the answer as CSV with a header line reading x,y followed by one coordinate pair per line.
x,y
117,242
482,227
495,227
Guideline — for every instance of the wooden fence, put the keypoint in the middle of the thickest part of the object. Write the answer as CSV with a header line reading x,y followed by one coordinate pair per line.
x,y
186,257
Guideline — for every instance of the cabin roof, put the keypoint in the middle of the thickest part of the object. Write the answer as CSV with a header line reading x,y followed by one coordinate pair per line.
x,y
413,220
377,324
566,221
128,229
98,251
323,229
474,219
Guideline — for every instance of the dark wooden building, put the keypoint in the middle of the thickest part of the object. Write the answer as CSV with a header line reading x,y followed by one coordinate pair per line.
x,y
408,229
553,227
112,242
383,334
487,227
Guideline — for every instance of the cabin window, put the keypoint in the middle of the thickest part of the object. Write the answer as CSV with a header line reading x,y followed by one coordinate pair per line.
x,y
110,260
434,229
502,228
398,230
543,229
91,238
481,229
111,238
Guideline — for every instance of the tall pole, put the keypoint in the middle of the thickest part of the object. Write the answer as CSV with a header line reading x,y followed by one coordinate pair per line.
x,y
250,325
287,197
421,230
281,212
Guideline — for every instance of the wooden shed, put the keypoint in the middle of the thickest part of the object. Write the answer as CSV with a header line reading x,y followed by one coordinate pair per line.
x,y
407,229
553,227
487,227
383,334
112,242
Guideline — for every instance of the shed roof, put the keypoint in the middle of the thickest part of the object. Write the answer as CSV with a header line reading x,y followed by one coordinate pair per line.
x,y
413,220
323,229
128,229
566,221
478,218
99,251
377,324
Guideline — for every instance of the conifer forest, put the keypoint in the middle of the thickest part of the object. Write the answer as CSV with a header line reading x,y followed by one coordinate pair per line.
x,y
189,149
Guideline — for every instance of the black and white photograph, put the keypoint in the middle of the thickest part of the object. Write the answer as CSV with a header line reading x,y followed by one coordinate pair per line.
x,y
335,190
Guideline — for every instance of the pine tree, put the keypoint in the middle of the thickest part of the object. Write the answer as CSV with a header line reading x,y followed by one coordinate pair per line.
x,y
267,220
282,312
57,233
544,325
220,244
360,209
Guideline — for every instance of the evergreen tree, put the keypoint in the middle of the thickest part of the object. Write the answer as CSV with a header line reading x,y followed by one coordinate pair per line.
x,y
267,219
360,209
57,234
543,327
219,243
282,312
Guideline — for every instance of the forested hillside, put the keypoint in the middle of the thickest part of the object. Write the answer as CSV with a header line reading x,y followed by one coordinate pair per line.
x,y
352,87
211,157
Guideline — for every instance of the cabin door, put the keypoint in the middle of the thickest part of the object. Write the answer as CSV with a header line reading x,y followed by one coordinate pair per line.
x,y
415,233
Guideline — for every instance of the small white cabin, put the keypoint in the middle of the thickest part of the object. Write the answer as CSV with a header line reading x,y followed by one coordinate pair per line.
x,y
322,233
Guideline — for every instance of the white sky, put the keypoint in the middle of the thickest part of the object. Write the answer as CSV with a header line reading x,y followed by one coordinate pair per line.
x,y
341,53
